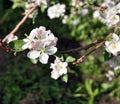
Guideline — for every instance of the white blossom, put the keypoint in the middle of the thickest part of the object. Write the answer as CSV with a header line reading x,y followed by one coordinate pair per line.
x,y
96,14
64,21
110,16
42,51
41,43
56,11
39,2
11,38
59,68
114,62
114,19
113,46
45,2
84,11
39,34
109,75
29,41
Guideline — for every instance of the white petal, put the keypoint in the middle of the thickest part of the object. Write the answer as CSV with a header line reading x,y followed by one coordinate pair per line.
x,y
33,33
44,58
33,54
26,40
54,74
63,71
115,36
51,50
25,46
107,43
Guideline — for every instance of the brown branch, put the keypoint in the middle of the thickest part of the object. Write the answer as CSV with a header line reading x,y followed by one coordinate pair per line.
x,y
20,23
7,49
81,59
83,47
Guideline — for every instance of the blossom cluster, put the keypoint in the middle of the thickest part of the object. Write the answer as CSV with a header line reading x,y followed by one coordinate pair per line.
x,y
56,11
75,11
31,3
59,68
41,43
110,15
113,46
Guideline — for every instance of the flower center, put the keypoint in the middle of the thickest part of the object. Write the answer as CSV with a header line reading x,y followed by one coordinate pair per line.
x,y
60,67
114,46
115,9
114,18
42,50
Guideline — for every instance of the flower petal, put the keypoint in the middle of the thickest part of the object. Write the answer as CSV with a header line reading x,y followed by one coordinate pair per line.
x,y
25,46
44,58
54,74
33,54
50,50
115,37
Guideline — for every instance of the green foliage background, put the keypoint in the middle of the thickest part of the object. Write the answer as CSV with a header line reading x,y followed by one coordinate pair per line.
x,y
22,82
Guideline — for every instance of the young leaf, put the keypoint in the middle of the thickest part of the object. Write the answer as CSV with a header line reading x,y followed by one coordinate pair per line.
x,y
34,61
65,78
16,45
70,59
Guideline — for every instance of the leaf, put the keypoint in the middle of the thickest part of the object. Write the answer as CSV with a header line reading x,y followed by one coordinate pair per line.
x,y
96,92
77,95
88,85
106,85
43,8
107,56
70,59
16,45
34,61
65,78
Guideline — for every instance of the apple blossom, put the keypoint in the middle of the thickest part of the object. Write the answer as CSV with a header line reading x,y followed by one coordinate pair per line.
x,y
56,11
11,38
42,51
59,68
113,46
109,75
110,15
39,34
39,2
114,62
29,41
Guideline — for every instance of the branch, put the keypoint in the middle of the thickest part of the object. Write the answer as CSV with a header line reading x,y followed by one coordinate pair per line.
x,y
81,59
20,23
84,47
7,49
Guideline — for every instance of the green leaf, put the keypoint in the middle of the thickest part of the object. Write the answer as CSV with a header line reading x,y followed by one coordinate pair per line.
x,y
43,8
16,45
34,61
77,95
96,92
106,85
70,59
65,78
88,85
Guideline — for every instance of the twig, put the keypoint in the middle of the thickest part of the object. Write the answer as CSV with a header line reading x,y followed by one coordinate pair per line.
x,y
81,59
7,49
21,22
83,47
